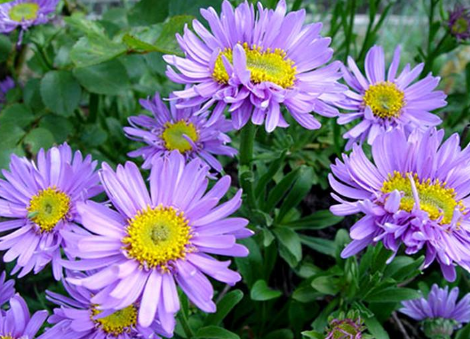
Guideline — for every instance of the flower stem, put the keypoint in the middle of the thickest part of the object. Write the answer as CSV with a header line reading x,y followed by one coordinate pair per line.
x,y
245,171
185,324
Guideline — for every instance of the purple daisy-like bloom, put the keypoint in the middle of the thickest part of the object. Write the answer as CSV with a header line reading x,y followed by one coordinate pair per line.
x,y
40,202
387,101
5,86
159,240
414,194
7,289
25,13
459,22
255,62
440,303
78,318
179,129
16,322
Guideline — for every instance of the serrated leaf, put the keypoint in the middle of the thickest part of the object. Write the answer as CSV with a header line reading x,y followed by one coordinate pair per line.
x,y
166,42
39,138
94,50
60,92
17,114
108,78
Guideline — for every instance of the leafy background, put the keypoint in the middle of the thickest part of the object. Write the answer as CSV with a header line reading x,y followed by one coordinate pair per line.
x,y
81,77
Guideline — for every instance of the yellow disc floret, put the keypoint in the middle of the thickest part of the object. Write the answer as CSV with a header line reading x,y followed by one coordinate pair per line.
x,y
157,236
270,65
24,11
118,322
434,197
6,337
173,136
385,100
48,207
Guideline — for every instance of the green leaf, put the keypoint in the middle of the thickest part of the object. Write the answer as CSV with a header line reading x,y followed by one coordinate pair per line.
x,y
94,135
59,126
148,12
299,190
11,135
251,267
5,155
275,167
5,47
224,306
95,49
39,138
467,77
290,247
60,92
32,94
464,333
326,284
280,190
261,292
321,245
214,332
108,78
280,334
306,294
17,114
313,335
318,220
393,294
376,329
166,42
138,45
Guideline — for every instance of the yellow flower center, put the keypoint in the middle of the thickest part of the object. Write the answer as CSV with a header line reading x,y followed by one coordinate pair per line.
x,y
269,65
157,236
173,136
385,100
434,197
48,207
6,337
118,322
24,11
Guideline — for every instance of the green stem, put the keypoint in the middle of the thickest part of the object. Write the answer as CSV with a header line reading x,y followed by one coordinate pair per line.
x,y
349,33
247,142
185,324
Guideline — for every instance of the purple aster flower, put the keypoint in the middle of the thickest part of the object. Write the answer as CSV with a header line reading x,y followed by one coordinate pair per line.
x,y
16,322
256,62
384,102
5,86
40,202
179,129
25,13
440,303
439,312
7,289
78,318
414,194
159,240
459,22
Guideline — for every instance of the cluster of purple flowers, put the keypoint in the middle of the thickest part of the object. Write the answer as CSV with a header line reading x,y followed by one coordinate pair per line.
x,y
122,261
